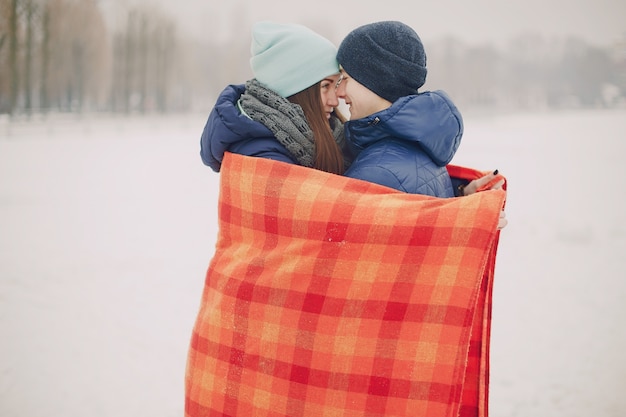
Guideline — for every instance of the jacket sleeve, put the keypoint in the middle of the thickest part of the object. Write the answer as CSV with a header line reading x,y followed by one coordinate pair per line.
x,y
209,158
212,152
456,185
268,148
375,174
226,130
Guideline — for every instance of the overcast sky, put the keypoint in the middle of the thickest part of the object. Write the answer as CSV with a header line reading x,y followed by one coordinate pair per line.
x,y
474,21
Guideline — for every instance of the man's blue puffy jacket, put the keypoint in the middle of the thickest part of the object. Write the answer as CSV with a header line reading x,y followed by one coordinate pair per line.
x,y
408,145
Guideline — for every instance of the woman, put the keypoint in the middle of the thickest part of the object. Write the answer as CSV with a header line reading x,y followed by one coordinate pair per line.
x,y
287,111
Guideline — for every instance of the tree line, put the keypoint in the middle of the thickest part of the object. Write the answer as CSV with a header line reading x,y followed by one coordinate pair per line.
x,y
61,55
64,55
531,72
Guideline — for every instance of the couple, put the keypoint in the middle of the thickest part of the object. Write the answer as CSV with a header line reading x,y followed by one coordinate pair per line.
x,y
288,112
328,296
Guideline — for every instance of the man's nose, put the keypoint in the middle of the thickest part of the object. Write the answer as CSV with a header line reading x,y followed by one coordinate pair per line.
x,y
340,91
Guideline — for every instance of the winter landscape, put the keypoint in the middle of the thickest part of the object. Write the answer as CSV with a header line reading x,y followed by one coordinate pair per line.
x,y
107,225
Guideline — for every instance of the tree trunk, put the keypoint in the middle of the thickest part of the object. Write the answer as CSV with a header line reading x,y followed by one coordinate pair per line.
x,y
28,83
13,57
45,60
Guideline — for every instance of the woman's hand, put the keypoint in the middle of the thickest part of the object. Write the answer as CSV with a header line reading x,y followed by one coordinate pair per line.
x,y
491,181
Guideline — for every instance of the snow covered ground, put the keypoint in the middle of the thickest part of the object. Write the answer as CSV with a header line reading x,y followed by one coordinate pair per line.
x,y
107,226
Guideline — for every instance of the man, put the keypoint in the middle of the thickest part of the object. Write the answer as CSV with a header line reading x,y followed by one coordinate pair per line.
x,y
400,139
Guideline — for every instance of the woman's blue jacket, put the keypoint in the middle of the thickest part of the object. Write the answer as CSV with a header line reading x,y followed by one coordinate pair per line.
x,y
227,129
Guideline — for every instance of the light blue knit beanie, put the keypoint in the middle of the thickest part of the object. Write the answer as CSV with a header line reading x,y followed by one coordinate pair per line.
x,y
289,58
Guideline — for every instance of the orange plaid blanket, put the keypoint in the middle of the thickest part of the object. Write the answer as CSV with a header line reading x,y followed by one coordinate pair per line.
x,y
329,296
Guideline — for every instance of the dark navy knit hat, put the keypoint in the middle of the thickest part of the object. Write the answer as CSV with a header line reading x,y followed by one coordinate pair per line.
x,y
386,57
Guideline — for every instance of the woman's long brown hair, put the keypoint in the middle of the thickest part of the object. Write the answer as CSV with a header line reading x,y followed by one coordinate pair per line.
x,y
328,155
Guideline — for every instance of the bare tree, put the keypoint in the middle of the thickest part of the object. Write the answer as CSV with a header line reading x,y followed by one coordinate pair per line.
x,y
164,49
13,64
30,8
44,102
145,55
129,60
72,56
5,87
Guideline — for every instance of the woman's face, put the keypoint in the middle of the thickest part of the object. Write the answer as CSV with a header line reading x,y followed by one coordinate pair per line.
x,y
329,93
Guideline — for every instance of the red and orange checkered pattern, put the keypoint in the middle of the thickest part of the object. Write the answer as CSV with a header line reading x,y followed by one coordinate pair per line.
x,y
329,296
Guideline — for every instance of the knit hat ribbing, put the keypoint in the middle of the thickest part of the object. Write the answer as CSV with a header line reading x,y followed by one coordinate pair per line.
x,y
386,57
288,58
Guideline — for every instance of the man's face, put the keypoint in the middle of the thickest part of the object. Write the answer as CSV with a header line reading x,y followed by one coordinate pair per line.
x,y
360,100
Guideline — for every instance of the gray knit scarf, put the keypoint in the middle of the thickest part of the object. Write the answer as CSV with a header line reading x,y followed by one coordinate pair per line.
x,y
286,120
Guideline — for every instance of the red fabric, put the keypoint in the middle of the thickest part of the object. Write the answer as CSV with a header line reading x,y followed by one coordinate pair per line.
x,y
475,401
329,296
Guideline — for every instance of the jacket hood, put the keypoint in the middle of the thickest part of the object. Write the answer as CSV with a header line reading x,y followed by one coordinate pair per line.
x,y
227,126
429,119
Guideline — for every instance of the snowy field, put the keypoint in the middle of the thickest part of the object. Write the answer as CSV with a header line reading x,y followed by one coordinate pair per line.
x,y
107,226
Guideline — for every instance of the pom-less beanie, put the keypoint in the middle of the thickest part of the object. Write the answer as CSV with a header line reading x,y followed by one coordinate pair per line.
x,y
289,58
386,57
